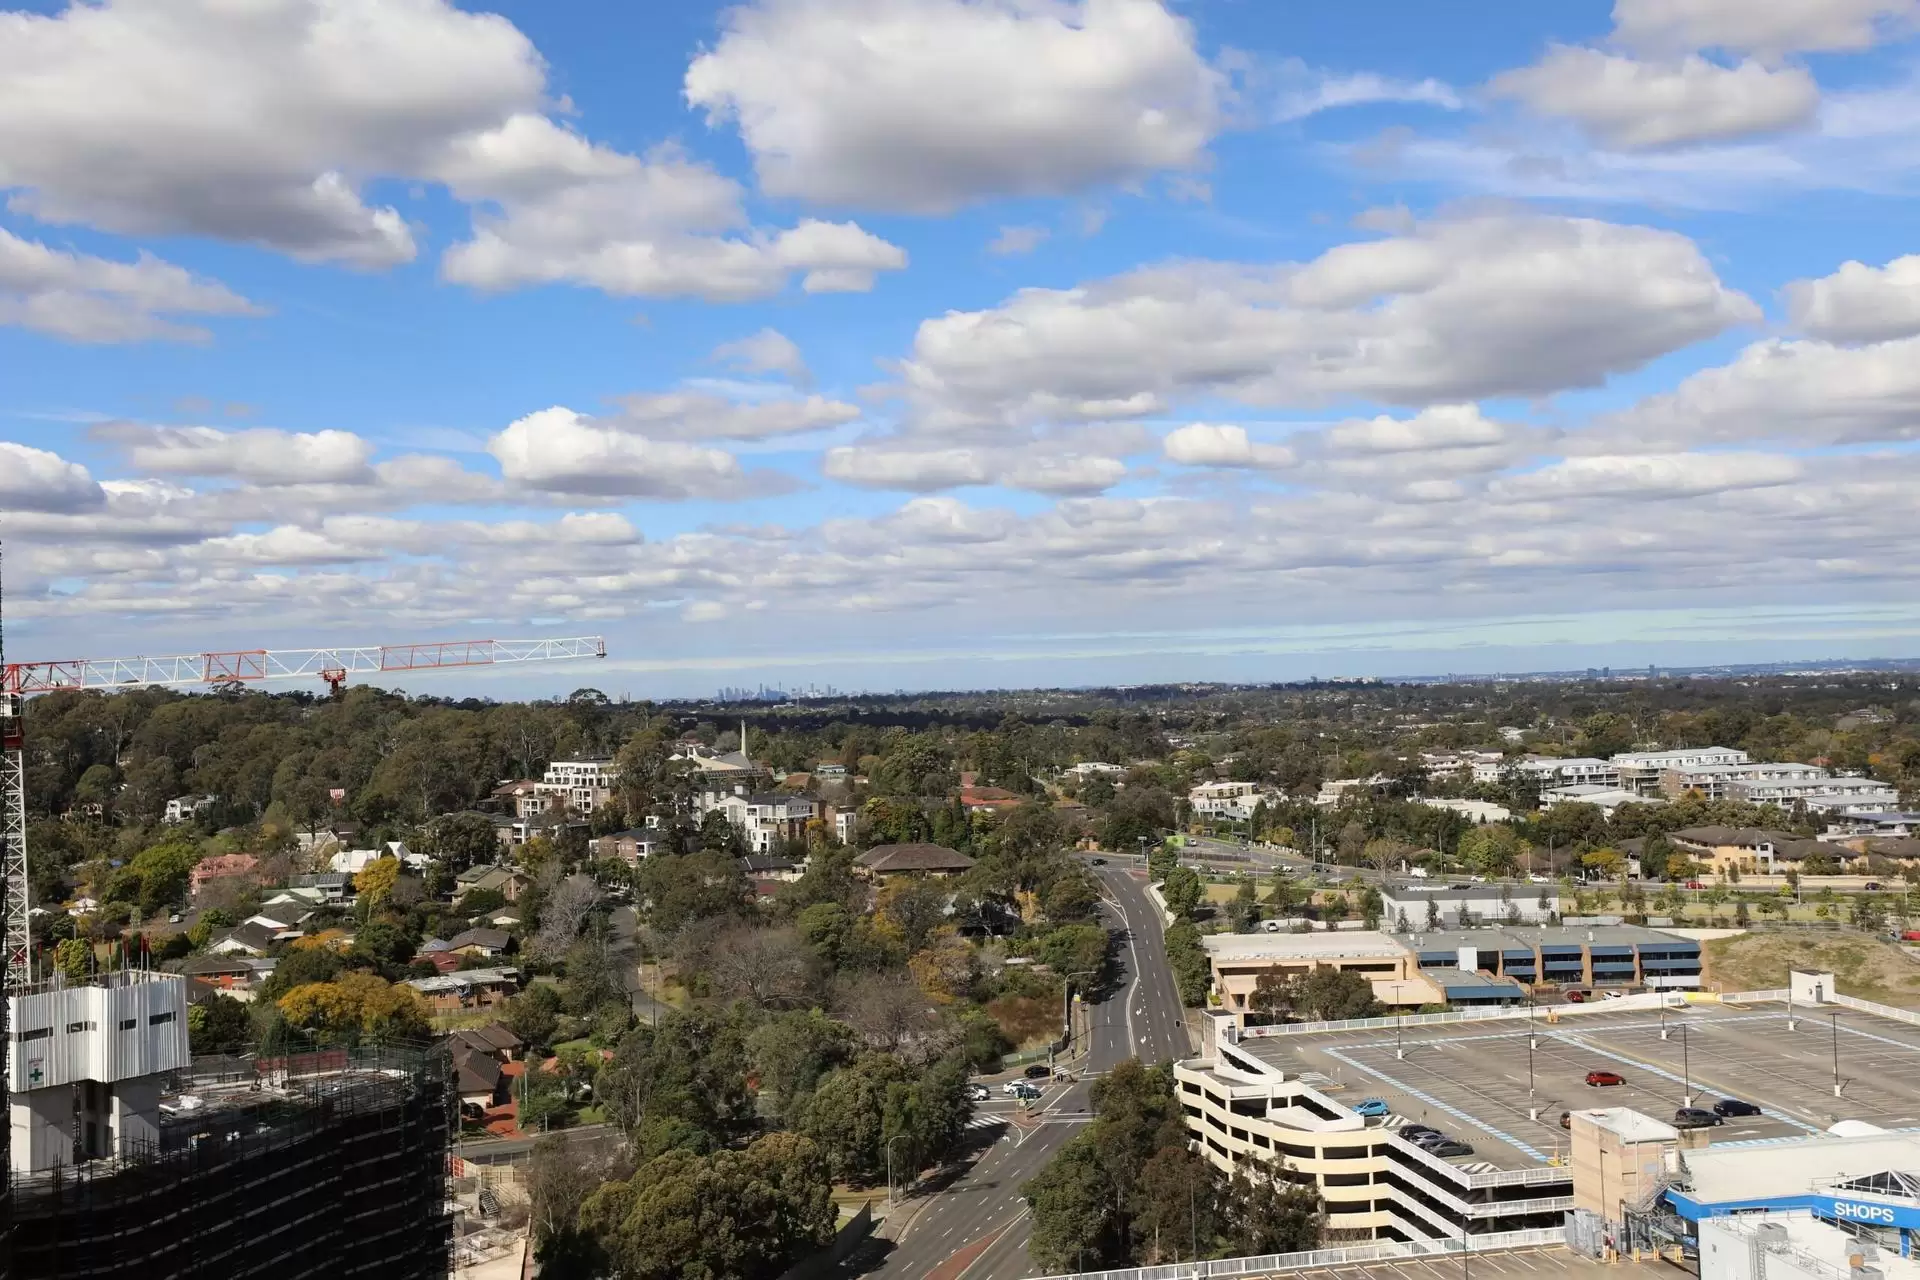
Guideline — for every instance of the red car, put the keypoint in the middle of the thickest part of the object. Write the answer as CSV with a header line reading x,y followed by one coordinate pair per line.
x,y
1576,997
1911,935
1695,884
1602,1079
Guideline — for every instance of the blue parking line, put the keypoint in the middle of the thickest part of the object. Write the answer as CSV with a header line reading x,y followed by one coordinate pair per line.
x,y
1432,1101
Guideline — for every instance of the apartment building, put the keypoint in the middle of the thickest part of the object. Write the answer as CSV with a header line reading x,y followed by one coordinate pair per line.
x,y
584,785
1419,903
1570,771
1837,794
1640,771
765,821
1717,781
1229,800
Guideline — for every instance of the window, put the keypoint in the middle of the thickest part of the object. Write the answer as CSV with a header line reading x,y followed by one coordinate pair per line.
x,y
73,1027
129,1024
40,1033
159,1018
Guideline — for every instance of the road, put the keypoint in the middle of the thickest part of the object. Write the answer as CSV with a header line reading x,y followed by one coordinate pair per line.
x,y
1140,1013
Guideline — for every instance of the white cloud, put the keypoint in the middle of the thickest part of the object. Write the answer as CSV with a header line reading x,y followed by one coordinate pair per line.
x,y
266,124
1805,392
561,451
1062,465
1629,104
258,455
1859,303
685,415
255,123
768,351
658,226
1769,28
1667,475
1460,308
87,299
1206,444
1305,91
926,105
1017,240
35,480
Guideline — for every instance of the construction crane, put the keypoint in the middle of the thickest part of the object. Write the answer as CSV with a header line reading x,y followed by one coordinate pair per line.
x,y
21,680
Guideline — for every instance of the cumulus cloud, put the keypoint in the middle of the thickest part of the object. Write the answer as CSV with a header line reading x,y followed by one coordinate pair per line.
x,y
1306,91
1207,444
1805,392
1769,29
571,211
267,126
36,480
561,451
258,455
1631,105
1859,303
685,415
768,351
87,299
1456,309
926,105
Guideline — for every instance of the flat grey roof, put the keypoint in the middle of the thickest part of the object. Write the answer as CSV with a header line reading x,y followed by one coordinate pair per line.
x,y
1493,937
1471,1079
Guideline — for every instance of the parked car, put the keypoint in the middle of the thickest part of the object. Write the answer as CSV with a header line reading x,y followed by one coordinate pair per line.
x,y
1735,1107
1613,995
1099,862
1566,1119
1427,1141
978,1093
1412,1131
1604,1079
1576,997
1695,1118
1695,884
1872,886
1371,1107
1450,1147
1039,1071
1911,935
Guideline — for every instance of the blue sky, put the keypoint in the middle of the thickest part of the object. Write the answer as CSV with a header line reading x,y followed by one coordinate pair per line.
x,y
911,343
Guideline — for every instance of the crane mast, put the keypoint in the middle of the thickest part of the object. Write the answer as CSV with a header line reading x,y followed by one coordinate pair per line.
x,y
333,665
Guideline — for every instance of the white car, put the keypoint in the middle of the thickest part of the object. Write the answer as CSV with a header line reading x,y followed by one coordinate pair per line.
x,y
1015,1088
978,1092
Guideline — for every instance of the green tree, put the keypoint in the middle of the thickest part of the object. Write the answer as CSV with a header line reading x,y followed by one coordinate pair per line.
x,y
790,1053
1183,890
73,957
686,1216
534,1014
1263,1216
1076,1224
1174,1203
1245,908
1330,995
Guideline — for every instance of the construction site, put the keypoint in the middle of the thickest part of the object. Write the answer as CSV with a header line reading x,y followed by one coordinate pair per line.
x,y
331,1163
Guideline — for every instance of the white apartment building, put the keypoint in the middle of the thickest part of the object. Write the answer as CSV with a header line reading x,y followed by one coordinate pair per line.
x,y
1717,781
1231,800
764,822
183,808
584,785
1552,771
1472,810
1640,770
1334,790
1842,795
1094,769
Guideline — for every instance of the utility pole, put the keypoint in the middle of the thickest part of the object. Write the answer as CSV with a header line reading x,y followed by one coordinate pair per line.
x,y
1836,1053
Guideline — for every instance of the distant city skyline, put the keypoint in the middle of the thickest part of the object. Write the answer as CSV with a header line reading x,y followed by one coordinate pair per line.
x,y
964,343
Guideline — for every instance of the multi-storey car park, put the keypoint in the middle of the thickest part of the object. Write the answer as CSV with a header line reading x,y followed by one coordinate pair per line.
x,y
1332,1105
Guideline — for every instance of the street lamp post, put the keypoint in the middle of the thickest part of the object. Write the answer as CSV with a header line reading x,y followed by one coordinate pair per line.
x,y
1083,973
1686,1070
891,1198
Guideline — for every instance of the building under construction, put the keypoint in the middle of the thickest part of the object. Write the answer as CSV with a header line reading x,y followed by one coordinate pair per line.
x,y
323,1164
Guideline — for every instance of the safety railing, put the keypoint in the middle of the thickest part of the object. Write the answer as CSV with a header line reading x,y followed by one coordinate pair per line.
x,y
1381,1251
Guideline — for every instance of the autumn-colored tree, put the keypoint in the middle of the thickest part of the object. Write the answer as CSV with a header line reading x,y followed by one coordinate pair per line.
x,y
375,881
356,1004
944,967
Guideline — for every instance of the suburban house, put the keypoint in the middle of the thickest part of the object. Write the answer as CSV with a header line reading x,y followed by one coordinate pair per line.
x,y
883,862
183,808
1224,799
220,867
632,846
762,866
505,881
1095,769
478,1080
467,990
353,861
248,939
988,799
483,942
522,798
492,1040
231,975
335,888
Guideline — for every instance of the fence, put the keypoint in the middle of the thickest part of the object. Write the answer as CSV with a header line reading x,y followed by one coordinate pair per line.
x,y
1753,997
1878,1010
1647,1000
1381,1251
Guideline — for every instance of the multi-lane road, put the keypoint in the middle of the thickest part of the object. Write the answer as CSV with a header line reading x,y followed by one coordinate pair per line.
x,y
976,1225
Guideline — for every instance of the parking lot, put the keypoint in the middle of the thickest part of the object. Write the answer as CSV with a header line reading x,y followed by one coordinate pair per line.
x,y
1482,1082
1518,1264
